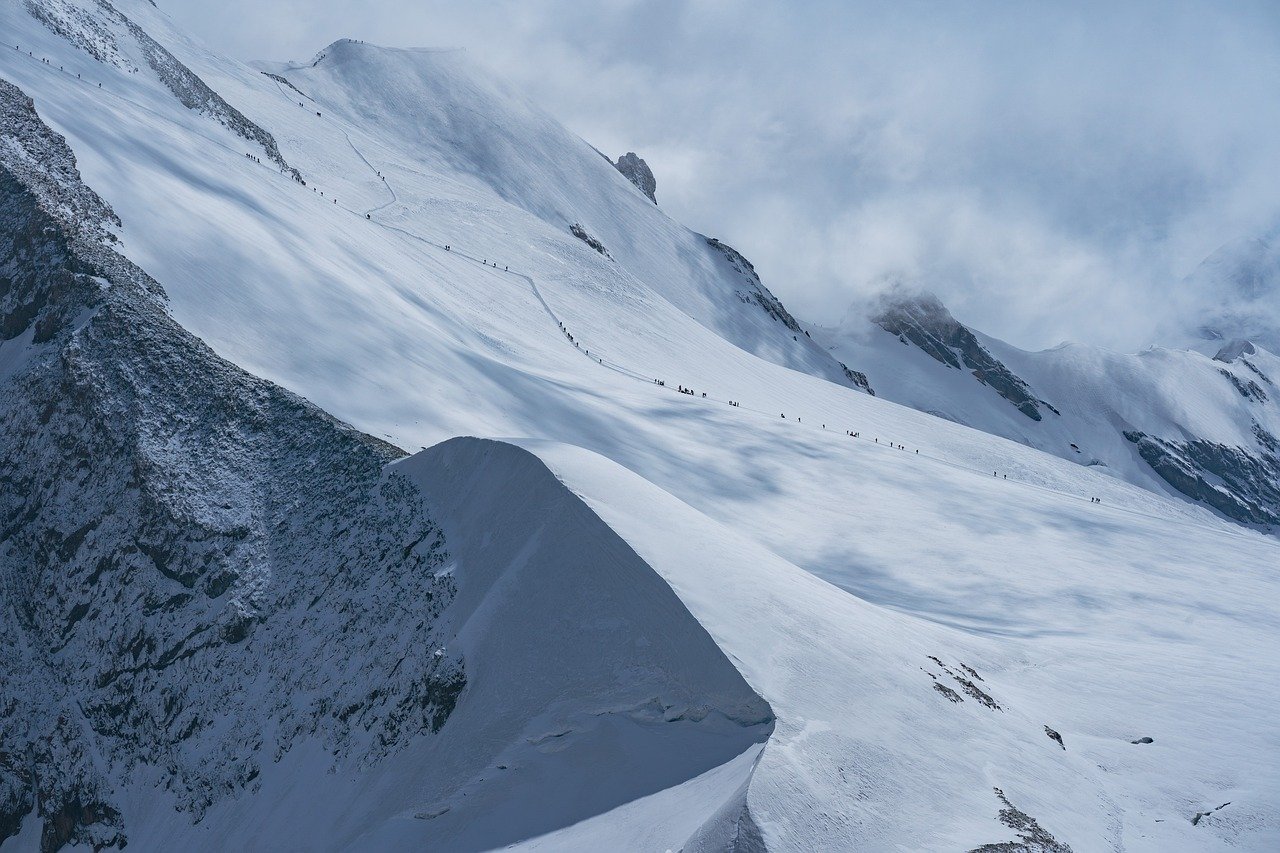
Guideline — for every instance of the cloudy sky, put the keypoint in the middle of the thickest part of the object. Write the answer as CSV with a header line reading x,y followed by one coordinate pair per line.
x,y
1050,172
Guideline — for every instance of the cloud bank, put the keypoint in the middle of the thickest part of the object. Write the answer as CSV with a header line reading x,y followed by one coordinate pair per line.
x,y
1050,172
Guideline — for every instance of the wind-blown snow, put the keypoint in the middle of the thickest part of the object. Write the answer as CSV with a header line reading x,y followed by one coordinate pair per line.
x,y
857,588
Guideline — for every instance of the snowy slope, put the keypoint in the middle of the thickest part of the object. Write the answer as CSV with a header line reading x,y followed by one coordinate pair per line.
x,y
814,573
1178,422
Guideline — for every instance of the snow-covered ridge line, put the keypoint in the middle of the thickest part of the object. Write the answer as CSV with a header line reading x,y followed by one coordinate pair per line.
x,y
91,30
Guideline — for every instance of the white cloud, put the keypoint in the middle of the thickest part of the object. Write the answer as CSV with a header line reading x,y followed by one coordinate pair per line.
x,y
1047,170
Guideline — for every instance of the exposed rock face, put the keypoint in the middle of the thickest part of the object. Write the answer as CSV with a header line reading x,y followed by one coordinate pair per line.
x,y
99,35
578,231
1032,837
754,291
186,551
284,81
638,172
858,378
925,322
1240,484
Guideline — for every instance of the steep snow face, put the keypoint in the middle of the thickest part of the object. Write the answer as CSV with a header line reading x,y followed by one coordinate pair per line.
x,y
1171,420
589,684
110,36
458,123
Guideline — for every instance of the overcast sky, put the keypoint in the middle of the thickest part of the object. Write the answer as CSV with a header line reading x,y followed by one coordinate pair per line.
x,y
1048,171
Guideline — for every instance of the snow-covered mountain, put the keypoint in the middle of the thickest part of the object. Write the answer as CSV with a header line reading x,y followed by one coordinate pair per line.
x,y
775,612
1233,294
1203,427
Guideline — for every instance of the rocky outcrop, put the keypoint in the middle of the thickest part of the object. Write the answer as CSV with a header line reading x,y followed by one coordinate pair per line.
x,y
1032,837
1241,484
284,81
754,292
578,231
924,321
1247,387
637,171
858,378
186,551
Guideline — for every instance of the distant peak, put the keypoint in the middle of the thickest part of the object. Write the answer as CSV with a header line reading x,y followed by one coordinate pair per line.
x,y
637,171
1233,350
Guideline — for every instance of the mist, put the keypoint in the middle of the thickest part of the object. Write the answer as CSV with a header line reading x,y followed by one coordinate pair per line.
x,y
1050,173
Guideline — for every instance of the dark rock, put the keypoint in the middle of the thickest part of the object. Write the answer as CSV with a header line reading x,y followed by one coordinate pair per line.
x,y
1199,816
976,692
1053,735
284,81
638,172
924,321
578,231
1240,484
755,292
1232,350
858,378
1032,837
1142,740
948,692
1247,387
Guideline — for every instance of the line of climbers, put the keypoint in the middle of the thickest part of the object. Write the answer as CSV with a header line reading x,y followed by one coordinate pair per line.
x,y
659,382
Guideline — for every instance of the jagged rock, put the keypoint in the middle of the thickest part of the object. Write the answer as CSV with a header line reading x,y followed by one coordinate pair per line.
x,y
1247,387
186,550
578,231
1054,735
755,291
1199,816
637,171
858,378
924,321
946,691
1241,485
1032,837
